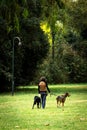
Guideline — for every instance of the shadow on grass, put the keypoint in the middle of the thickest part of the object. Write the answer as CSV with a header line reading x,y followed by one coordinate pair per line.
x,y
71,89
55,89
30,90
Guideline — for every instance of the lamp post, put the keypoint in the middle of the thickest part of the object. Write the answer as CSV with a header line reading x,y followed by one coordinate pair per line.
x,y
19,42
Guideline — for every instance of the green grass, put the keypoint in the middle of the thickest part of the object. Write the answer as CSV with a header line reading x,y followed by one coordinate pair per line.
x,y
16,111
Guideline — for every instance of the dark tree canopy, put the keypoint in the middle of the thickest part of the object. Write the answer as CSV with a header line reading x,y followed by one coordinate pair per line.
x,y
22,20
66,54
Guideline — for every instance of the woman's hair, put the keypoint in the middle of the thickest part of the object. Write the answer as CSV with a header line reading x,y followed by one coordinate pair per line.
x,y
43,79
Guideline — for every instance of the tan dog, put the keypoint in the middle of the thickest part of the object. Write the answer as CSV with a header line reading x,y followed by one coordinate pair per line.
x,y
61,99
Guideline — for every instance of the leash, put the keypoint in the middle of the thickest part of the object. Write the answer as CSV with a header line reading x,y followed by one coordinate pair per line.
x,y
53,94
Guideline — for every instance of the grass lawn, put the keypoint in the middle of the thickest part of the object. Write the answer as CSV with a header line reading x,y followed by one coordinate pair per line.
x,y
16,111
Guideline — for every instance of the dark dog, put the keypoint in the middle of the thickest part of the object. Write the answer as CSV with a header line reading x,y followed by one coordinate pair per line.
x,y
61,99
37,100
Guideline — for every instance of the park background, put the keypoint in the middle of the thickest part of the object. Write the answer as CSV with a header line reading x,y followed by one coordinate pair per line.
x,y
53,37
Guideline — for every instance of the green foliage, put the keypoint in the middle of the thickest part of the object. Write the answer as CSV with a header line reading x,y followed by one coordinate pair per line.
x,y
78,11
18,19
66,60
67,67
5,56
81,48
69,64
25,13
34,7
35,48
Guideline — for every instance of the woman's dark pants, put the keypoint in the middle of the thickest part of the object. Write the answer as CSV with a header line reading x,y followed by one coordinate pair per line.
x,y
43,99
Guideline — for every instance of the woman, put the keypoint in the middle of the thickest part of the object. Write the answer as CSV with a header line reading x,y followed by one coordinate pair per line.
x,y
42,90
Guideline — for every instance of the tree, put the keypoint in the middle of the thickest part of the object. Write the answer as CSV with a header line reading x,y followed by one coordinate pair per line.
x,y
5,74
51,13
70,45
78,17
35,47
17,19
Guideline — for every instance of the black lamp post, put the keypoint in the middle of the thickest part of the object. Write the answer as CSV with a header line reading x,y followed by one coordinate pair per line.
x,y
19,42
